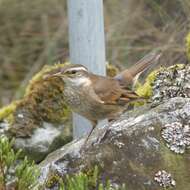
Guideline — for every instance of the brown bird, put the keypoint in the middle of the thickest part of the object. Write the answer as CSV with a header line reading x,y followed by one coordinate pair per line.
x,y
97,97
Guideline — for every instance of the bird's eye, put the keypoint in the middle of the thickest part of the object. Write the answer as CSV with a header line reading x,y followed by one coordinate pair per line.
x,y
71,72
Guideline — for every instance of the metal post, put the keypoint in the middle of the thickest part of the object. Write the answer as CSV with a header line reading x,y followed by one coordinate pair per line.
x,y
87,44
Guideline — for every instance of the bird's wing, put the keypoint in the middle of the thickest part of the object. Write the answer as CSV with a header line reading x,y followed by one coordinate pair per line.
x,y
110,91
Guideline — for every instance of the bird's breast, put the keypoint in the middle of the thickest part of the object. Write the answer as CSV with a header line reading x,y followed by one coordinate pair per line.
x,y
71,97
82,103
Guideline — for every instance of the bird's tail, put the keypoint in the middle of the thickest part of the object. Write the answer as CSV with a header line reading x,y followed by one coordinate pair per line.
x,y
145,62
129,75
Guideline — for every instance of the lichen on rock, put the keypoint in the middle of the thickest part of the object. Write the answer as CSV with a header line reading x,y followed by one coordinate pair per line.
x,y
129,150
177,136
171,82
166,83
164,179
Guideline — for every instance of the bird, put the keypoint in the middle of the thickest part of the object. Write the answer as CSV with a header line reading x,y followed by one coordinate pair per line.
x,y
97,97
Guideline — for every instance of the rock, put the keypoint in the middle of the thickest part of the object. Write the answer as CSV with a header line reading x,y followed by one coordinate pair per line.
x,y
130,150
43,141
40,121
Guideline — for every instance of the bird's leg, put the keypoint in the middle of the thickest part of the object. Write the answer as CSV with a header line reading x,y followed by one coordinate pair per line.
x,y
86,140
93,127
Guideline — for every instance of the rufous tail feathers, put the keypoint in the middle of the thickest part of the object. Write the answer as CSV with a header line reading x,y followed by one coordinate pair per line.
x,y
128,75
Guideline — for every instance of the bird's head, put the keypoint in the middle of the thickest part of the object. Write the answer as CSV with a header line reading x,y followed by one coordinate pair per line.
x,y
72,74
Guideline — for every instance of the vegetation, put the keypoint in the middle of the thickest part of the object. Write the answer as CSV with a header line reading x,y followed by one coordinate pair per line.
x,y
82,181
20,175
145,90
23,175
6,113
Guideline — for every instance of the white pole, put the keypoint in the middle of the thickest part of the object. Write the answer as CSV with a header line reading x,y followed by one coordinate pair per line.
x,y
87,44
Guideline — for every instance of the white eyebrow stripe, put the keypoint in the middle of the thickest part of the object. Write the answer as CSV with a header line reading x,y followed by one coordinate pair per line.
x,y
77,69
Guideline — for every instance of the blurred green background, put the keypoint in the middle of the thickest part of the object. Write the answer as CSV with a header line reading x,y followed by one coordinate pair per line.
x,y
35,33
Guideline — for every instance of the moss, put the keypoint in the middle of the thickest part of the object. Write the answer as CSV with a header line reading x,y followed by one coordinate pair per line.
x,y
50,105
145,90
43,101
188,46
39,76
6,113
111,70
176,66
52,180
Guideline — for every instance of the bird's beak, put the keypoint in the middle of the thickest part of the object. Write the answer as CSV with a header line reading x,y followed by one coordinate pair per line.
x,y
55,75
59,74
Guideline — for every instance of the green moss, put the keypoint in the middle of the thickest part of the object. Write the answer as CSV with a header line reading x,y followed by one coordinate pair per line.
x,y
39,76
145,90
43,101
50,105
52,180
111,70
6,113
